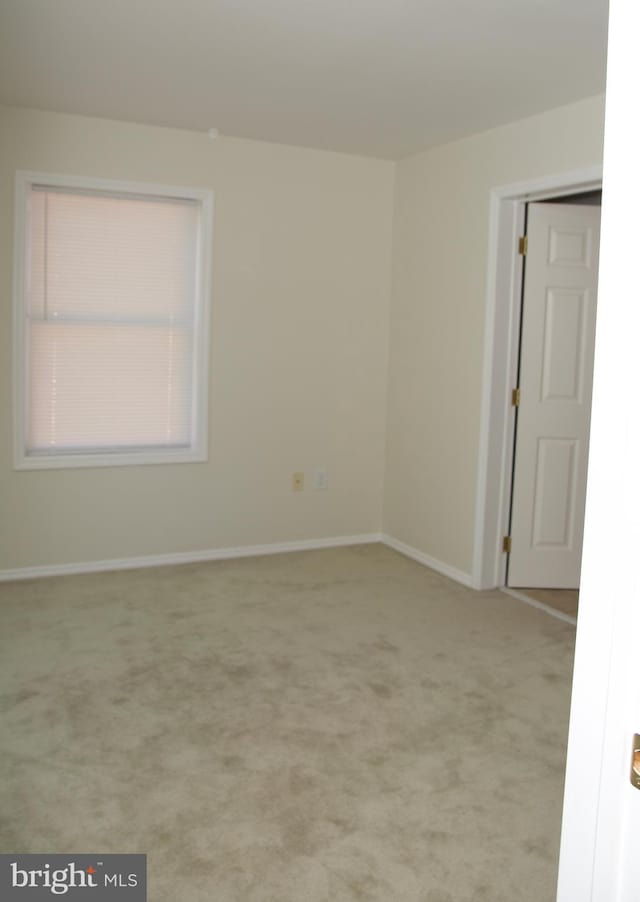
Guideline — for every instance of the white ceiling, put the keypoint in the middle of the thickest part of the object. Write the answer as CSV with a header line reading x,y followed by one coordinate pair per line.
x,y
382,78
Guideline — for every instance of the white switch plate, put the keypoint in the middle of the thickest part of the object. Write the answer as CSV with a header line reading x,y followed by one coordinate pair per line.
x,y
320,479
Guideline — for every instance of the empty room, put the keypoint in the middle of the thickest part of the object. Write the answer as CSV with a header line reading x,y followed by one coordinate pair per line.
x,y
279,621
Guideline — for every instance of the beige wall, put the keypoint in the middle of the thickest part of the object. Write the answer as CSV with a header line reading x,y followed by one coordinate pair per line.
x,y
299,350
301,288
438,316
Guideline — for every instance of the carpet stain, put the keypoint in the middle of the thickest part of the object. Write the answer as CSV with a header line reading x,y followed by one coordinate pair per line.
x,y
381,690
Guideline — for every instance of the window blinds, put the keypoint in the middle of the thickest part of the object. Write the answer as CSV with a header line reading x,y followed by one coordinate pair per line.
x,y
110,312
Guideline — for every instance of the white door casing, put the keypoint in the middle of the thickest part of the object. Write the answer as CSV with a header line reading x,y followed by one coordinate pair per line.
x,y
501,342
556,372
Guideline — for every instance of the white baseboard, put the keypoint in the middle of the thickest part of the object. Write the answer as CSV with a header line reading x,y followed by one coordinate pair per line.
x,y
221,554
445,569
522,596
185,557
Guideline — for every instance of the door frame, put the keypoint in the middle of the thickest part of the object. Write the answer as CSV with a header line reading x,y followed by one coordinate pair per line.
x,y
502,324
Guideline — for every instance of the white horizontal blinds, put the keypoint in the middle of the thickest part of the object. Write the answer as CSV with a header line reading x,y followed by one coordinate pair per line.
x,y
110,320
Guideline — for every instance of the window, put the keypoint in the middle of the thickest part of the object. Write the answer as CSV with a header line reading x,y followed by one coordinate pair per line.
x,y
111,322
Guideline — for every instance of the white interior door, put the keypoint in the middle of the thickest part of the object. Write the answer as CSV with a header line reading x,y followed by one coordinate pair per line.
x,y
599,858
556,373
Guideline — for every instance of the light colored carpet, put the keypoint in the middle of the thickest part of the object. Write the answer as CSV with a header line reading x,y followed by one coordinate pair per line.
x,y
324,726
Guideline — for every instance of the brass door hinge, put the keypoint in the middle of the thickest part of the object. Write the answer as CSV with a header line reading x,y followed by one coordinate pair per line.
x,y
523,245
515,397
506,544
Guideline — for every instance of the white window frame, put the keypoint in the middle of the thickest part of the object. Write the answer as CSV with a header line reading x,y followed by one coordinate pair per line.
x,y
198,450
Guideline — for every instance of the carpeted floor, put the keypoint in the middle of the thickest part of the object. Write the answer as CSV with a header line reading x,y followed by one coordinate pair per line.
x,y
323,726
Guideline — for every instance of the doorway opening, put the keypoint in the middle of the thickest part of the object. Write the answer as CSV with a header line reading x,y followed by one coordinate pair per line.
x,y
508,211
552,398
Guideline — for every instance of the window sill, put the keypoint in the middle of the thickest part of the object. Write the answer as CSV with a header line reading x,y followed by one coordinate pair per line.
x,y
108,459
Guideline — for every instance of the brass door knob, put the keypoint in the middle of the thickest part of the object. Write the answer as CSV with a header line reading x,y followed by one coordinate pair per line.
x,y
635,762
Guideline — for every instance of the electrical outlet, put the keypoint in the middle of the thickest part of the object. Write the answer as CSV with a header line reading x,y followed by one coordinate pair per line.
x,y
320,479
297,482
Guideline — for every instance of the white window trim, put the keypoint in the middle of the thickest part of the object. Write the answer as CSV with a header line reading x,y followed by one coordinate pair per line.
x,y
198,452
